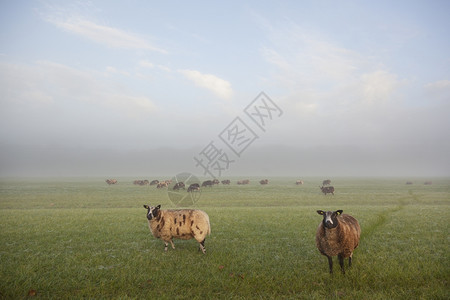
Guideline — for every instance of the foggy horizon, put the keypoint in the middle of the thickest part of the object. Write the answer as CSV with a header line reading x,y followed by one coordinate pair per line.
x,y
262,161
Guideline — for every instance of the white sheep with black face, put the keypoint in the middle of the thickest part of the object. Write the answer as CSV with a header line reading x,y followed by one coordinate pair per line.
x,y
337,234
178,223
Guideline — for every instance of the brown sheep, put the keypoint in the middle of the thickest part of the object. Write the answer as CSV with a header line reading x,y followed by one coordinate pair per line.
x,y
111,181
337,234
178,223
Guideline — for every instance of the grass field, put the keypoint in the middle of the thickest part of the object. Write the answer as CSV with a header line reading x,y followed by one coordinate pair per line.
x,y
80,238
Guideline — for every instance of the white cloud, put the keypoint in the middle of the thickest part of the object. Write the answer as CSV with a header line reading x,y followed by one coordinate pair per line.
x,y
146,64
133,106
149,65
441,84
378,86
109,36
47,82
438,91
324,77
113,70
164,68
275,58
218,86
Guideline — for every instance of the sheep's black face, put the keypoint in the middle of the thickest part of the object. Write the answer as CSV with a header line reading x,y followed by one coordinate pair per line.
x,y
330,218
152,212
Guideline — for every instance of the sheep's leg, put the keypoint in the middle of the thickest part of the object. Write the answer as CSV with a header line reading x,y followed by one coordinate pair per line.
x,y
202,246
166,245
349,261
341,263
330,264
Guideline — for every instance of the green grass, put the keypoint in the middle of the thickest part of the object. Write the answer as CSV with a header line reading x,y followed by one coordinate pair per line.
x,y
80,238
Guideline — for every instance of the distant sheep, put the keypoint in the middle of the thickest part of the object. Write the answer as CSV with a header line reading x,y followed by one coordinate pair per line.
x,y
141,182
243,182
111,181
337,234
179,185
207,183
178,223
327,190
194,187
162,184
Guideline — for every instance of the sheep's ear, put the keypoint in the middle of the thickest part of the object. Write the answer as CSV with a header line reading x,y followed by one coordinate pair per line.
x,y
321,212
159,206
339,211
146,206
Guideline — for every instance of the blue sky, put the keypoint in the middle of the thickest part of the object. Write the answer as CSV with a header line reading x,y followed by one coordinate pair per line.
x,y
142,75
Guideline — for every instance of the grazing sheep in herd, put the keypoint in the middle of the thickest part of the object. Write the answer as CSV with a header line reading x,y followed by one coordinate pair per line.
x,y
178,223
111,181
179,185
226,181
326,182
207,183
299,182
327,189
337,234
141,182
162,184
243,182
194,187
264,181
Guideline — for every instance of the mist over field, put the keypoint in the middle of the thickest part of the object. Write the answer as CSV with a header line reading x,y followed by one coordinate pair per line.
x,y
256,161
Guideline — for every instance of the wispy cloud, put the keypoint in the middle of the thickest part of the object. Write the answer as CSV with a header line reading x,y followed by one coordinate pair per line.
x,y
218,86
102,34
332,76
36,84
439,91
378,86
441,84
149,65
146,64
133,106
